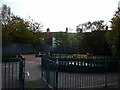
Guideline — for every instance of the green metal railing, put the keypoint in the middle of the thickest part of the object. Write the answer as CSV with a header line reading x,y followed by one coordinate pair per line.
x,y
21,72
13,72
49,71
80,72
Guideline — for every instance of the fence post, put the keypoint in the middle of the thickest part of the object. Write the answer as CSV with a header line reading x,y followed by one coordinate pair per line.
x,y
48,71
56,84
42,67
118,74
105,73
21,72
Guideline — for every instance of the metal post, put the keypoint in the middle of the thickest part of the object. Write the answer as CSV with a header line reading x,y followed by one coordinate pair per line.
x,y
118,74
106,73
48,66
41,67
56,84
21,72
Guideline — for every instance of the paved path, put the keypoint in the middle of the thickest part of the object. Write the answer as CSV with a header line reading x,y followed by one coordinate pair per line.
x,y
33,72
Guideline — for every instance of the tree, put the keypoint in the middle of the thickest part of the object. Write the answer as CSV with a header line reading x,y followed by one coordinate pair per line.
x,y
63,41
98,25
113,36
17,30
35,26
4,19
39,41
83,27
94,41
93,26
5,14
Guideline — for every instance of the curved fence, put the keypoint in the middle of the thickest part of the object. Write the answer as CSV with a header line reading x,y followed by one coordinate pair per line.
x,y
80,72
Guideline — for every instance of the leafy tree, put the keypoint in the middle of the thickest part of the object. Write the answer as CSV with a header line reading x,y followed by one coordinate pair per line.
x,y
83,27
5,14
18,30
63,41
35,26
98,25
4,19
94,41
113,36
93,26
39,40
100,45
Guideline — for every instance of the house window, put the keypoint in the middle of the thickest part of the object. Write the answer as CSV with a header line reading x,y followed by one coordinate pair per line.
x,y
53,41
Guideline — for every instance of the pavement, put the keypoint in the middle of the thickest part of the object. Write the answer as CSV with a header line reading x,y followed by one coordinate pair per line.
x,y
33,72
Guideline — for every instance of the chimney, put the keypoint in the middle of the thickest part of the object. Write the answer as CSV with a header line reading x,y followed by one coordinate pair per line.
x,y
106,28
48,30
66,29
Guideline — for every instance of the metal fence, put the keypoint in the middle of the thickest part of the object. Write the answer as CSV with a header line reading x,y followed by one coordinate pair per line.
x,y
13,73
80,72
50,76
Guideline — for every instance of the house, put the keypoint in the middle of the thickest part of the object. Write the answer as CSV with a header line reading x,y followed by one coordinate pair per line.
x,y
49,37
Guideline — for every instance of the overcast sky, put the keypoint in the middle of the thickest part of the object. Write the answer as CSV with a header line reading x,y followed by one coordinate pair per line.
x,y
59,14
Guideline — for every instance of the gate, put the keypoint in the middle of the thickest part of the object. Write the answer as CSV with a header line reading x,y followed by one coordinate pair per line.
x,y
49,72
80,72
13,72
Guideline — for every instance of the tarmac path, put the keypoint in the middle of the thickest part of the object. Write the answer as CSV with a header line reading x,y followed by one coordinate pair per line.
x,y
33,72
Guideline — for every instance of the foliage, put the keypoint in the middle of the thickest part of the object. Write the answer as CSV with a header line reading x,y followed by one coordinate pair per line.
x,y
93,26
64,41
17,30
94,41
5,14
113,36
34,26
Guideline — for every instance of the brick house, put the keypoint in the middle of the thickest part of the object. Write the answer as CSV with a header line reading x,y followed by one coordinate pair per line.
x,y
49,37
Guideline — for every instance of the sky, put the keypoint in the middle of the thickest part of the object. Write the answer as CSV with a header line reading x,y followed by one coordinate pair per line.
x,y
59,14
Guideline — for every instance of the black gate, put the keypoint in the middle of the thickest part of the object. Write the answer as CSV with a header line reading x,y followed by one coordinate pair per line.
x,y
80,72
13,72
